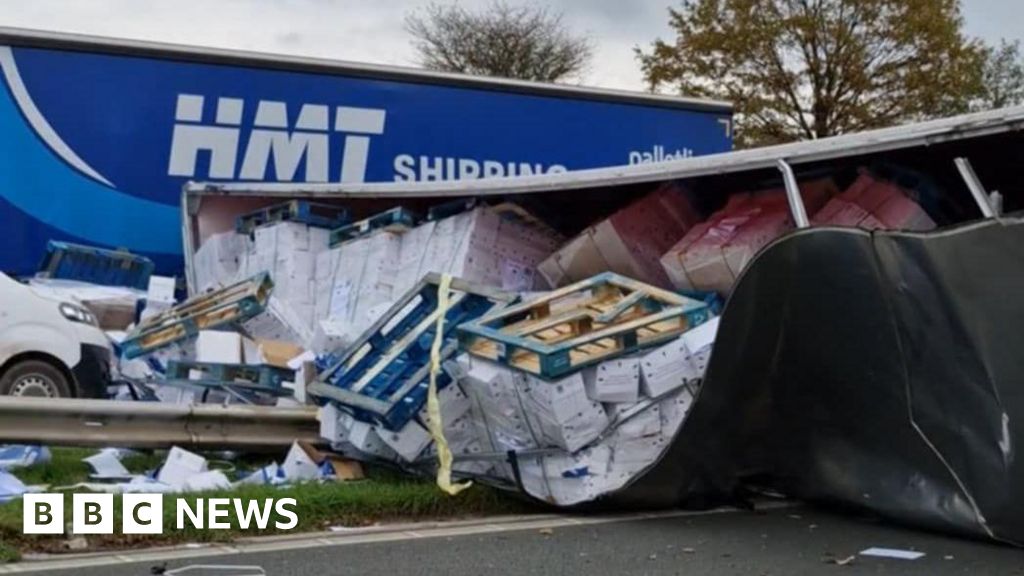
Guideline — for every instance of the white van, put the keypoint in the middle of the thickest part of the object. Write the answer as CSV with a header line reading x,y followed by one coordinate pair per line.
x,y
49,347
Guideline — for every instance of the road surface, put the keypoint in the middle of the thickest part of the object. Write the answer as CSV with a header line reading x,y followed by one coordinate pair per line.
x,y
785,541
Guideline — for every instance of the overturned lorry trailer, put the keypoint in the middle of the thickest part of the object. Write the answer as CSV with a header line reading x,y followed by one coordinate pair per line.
x,y
878,369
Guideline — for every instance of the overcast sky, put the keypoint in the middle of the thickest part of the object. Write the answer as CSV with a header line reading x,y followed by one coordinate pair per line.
x,y
371,30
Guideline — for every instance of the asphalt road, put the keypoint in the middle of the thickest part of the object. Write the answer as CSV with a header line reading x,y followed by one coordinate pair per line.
x,y
788,542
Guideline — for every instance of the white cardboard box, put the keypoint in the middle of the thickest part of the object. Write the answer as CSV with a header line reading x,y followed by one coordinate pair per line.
x,y
454,405
219,347
409,442
364,438
645,423
179,466
334,424
161,290
674,410
666,368
298,465
279,322
615,380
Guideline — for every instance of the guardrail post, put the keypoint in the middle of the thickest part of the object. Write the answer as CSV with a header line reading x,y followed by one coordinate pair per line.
x,y
796,203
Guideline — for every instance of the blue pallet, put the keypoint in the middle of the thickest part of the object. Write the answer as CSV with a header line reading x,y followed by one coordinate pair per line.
x,y
383,377
299,211
222,308
260,377
395,220
66,261
451,208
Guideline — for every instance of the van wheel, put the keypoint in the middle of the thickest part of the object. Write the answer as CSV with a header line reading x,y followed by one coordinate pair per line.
x,y
34,378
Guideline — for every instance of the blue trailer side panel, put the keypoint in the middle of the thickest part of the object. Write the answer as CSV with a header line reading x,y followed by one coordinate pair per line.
x,y
95,147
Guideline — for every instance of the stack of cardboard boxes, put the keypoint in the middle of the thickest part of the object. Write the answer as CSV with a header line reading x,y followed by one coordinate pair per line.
x,y
354,283
288,251
714,253
874,204
358,280
218,261
630,242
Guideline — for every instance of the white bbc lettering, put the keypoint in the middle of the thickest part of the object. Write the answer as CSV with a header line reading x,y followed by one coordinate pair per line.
x,y
272,137
252,511
194,516
142,514
43,514
282,508
92,513
218,508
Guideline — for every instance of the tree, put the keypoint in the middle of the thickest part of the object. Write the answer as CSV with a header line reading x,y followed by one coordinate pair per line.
x,y
523,42
802,69
1003,77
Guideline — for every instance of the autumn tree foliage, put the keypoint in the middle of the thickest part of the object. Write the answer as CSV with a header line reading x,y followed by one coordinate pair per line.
x,y
803,69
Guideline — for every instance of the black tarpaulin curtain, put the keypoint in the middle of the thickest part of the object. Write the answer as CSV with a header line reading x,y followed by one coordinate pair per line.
x,y
881,370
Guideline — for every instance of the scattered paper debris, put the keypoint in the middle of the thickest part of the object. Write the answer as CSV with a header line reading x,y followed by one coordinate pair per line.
x,y
10,487
106,465
21,456
892,553
844,561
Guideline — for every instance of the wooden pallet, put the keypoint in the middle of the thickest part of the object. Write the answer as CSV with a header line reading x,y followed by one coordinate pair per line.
x,y
232,304
252,378
588,322
383,376
67,261
301,211
395,220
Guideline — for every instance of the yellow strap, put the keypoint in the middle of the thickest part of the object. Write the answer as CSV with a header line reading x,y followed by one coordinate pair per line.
x,y
436,426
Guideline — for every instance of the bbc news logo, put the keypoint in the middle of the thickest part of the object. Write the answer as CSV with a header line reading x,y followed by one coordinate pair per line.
x,y
144,513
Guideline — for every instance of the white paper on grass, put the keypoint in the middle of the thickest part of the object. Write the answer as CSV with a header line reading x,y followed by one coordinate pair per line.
x,y
209,480
10,487
139,484
298,465
22,456
266,475
179,466
106,464
892,553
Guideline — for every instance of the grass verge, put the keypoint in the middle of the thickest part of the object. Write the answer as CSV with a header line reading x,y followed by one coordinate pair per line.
x,y
383,496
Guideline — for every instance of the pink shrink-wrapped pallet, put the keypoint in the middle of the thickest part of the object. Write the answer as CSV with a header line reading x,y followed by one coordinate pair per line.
x,y
630,242
714,253
874,204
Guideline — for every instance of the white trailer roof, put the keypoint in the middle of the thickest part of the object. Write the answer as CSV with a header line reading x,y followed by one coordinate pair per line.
x,y
887,139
